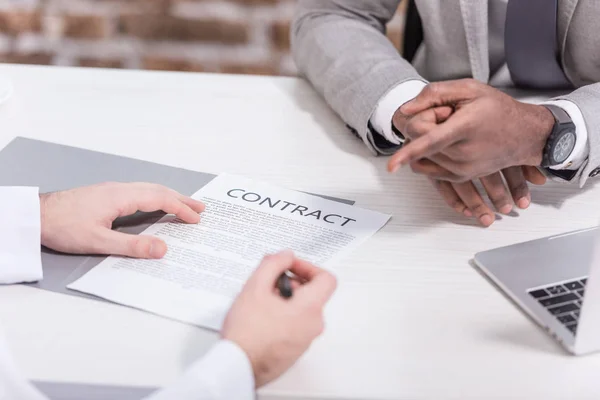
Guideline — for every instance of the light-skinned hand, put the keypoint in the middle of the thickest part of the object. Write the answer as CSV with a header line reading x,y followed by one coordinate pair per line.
x,y
274,332
79,221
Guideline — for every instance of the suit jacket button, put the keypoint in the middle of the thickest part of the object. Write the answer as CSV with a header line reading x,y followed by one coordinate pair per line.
x,y
595,172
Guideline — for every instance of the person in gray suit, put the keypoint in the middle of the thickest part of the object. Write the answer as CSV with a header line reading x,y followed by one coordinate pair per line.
x,y
461,127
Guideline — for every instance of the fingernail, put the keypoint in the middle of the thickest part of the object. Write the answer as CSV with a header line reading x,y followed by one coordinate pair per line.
x,y
395,168
523,202
467,213
486,220
506,209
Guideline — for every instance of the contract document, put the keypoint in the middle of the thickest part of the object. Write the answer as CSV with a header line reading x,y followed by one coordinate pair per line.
x,y
207,264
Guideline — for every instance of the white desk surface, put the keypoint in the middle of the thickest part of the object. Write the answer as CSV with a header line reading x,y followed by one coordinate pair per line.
x,y
411,318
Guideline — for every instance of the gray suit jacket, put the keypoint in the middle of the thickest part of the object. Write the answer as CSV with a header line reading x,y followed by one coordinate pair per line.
x,y
340,46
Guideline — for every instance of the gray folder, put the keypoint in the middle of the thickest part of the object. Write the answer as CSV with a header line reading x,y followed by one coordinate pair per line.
x,y
54,167
75,391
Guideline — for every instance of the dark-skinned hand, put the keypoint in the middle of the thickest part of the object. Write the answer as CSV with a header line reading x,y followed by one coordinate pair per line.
x,y
464,197
488,131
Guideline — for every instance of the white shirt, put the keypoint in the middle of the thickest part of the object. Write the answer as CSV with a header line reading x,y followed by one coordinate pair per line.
x,y
381,120
225,373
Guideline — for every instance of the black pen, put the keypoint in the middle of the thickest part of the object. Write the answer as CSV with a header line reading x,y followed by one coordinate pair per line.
x,y
284,284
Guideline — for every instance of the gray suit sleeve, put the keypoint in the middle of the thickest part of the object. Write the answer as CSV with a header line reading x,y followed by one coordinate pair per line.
x,y
341,48
587,98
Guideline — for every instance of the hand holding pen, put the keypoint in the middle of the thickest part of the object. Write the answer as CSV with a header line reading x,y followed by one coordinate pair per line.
x,y
274,319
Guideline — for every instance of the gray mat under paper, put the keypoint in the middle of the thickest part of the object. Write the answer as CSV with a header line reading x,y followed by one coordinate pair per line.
x,y
53,167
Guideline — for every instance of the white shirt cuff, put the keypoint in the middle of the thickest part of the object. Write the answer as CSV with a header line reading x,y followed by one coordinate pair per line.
x,y
381,120
224,373
581,151
20,227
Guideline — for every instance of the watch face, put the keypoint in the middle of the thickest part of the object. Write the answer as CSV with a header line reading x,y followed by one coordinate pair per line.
x,y
564,146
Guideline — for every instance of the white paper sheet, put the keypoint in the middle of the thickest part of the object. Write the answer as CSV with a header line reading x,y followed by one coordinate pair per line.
x,y
207,264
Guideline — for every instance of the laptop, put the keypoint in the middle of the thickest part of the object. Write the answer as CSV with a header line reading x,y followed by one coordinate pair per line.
x,y
556,282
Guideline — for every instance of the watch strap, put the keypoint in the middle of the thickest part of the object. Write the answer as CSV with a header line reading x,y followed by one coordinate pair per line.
x,y
561,119
560,115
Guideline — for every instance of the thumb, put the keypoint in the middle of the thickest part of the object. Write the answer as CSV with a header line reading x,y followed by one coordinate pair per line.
x,y
440,94
134,246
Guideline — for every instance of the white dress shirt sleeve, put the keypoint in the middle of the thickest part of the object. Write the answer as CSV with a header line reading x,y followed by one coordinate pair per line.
x,y
581,151
20,261
20,256
225,373
381,120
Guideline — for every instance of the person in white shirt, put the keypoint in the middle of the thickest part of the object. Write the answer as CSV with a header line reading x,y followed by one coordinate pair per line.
x,y
263,334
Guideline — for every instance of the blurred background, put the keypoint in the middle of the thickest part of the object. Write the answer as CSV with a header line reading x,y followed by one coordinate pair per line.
x,y
228,36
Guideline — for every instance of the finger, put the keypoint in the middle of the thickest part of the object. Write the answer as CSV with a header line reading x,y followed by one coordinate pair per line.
x,y
472,199
318,291
400,121
534,175
197,206
154,189
451,197
304,270
433,142
150,200
194,204
270,268
431,116
497,192
420,124
423,122
123,244
442,113
432,170
440,94
517,184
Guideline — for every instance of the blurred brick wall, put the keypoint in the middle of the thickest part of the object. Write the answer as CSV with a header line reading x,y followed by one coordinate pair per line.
x,y
231,36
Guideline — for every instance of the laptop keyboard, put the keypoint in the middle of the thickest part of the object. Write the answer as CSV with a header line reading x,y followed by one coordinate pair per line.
x,y
563,300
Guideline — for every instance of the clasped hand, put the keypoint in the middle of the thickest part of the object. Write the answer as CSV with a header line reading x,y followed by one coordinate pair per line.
x,y
463,130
